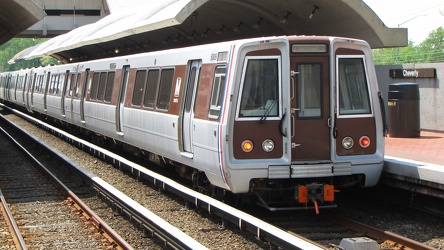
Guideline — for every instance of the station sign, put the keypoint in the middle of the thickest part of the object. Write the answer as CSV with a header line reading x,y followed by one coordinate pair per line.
x,y
413,73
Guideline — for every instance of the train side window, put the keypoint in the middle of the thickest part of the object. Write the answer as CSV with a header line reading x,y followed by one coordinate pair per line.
x,y
139,87
165,88
217,91
95,86
53,86
260,87
309,91
151,88
109,86
353,93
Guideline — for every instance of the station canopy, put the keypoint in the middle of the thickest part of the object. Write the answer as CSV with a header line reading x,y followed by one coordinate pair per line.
x,y
139,26
16,16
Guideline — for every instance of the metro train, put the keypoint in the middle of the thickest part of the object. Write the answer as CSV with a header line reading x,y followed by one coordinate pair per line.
x,y
286,120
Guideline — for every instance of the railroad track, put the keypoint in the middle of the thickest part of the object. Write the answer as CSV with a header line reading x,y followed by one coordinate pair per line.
x,y
46,215
323,238
213,232
330,229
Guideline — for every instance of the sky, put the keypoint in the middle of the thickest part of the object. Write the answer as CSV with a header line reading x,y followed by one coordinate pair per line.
x,y
420,17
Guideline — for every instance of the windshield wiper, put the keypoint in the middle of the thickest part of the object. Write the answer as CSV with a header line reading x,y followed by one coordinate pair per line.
x,y
267,111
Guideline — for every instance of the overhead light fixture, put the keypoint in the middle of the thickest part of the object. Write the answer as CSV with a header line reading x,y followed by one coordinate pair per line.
x,y
221,31
257,25
205,33
175,40
237,28
284,19
313,12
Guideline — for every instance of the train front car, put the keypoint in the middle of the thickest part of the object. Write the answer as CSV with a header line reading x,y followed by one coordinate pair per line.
x,y
305,121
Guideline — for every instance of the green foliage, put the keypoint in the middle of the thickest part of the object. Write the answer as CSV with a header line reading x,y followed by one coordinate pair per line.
x,y
430,50
14,46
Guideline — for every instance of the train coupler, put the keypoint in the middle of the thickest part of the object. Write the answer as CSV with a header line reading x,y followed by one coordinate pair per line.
x,y
315,193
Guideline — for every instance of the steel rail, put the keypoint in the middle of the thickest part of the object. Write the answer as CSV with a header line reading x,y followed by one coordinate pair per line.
x,y
101,225
378,235
14,229
170,235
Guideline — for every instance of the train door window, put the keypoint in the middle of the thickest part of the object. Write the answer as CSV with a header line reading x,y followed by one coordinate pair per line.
x,y
165,87
70,85
109,86
260,87
75,87
37,84
102,85
190,89
353,93
34,82
217,92
40,84
309,91
95,86
60,84
149,99
139,87
23,81
53,84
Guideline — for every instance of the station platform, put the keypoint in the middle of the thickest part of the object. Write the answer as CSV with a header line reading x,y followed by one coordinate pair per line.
x,y
416,161
428,148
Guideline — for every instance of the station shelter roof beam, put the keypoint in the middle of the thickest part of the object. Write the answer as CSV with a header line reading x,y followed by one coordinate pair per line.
x,y
154,25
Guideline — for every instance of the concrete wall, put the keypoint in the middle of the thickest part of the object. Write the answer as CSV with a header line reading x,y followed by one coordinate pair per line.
x,y
54,25
69,4
431,92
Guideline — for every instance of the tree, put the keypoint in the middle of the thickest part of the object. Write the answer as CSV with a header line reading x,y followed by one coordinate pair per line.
x,y
432,48
14,46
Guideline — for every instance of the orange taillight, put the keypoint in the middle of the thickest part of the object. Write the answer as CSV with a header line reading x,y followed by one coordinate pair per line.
x,y
247,146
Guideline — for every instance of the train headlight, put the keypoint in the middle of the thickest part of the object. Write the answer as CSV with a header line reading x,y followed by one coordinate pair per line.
x,y
268,145
247,146
364,141
347,142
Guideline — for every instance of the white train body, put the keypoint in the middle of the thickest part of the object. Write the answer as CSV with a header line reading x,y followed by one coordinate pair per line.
x,y
277,113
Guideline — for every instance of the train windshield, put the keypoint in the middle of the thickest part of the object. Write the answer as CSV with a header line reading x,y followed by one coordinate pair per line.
x,y
353,90
260,87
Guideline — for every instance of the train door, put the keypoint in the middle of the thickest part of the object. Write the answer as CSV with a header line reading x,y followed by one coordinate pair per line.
x,y
8,88
24,83
64,87
121,100
83,96
72,83
29,91
45,95
186,121
73,92
310,109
